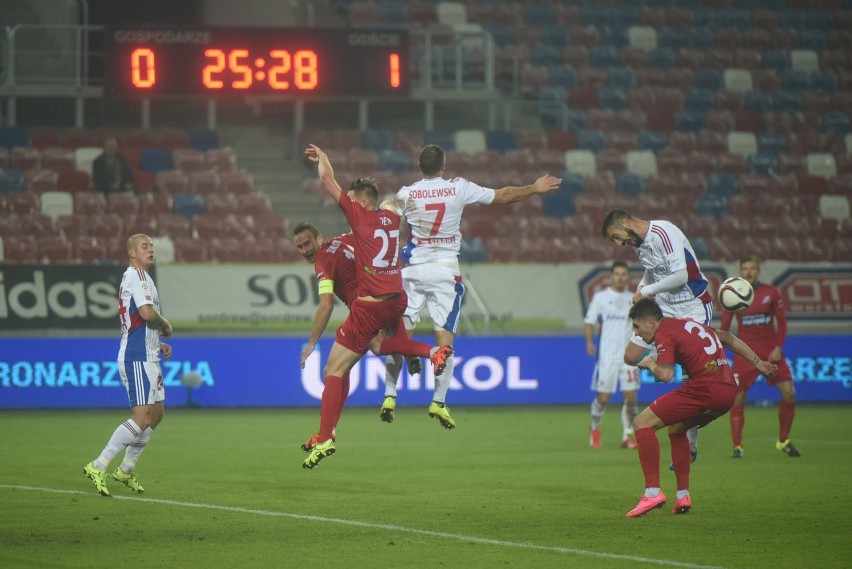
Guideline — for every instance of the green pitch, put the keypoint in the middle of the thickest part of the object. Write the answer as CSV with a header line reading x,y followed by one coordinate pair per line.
x,y
511,487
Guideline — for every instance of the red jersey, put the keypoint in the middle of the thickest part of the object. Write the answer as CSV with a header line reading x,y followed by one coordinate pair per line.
x,y
335,261
756,326
376,234
695,347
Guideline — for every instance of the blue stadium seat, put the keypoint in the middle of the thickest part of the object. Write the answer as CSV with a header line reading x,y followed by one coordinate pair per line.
x,y
787,102
394,161
12,136
393,13
575,119
189,205
771,143
722,184
777,59
538,15
621,78
615,99
728,18
204,139
593,140
653,141
572,183
812,39
564,76
376,140
555,35
794,80
700,247
472,251
824,80
835,122
546,55
758,102
662,58
615,36
11,181
552,104
630,184
156,160
707,78
672,38
558,204
700,38
442,138
689,121
713,205
762,164
603,56
595,15
502,33
501,140
700,100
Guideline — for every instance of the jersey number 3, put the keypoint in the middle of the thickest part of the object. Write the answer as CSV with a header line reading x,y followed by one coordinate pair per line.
x,y
390,243
713,344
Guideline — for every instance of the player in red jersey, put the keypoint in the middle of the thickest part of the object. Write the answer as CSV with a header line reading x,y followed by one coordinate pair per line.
x,y
707,395
763,325
379,303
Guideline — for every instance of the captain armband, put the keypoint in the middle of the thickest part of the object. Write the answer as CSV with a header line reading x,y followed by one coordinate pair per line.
x,y
326,286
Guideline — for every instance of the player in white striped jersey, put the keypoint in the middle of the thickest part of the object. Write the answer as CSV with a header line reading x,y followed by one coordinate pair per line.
x,y
610,307
433,209
142,326
672,277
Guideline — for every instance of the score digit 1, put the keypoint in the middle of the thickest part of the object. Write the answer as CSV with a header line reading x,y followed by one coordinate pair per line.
x,y
143,68
394,70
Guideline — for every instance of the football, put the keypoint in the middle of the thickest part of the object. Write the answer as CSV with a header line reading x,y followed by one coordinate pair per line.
x,y
735,294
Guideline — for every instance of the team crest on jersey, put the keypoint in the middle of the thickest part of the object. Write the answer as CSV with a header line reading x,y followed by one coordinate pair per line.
x,y
660,270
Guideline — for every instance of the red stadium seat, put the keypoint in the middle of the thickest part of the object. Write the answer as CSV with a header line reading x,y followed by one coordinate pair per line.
x,y
72,226
58,158
255,204
237,182
20,250
74,181
227,250
204,182
172,181
207,226
154,203
174,226
25,157
89,250
55,250
106,226
220,159
123,203
89,203
190,250
23,203
271,226
188,159
41,180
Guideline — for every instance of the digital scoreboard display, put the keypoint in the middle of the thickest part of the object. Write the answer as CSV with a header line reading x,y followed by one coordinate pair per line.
x,y
212,62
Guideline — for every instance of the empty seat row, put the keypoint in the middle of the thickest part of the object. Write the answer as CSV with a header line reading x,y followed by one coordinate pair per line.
x,y
73,138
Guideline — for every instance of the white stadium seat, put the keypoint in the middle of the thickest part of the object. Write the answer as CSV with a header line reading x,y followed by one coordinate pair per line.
x,y
821,164
452,13
470,141
581,162
642,162
804,60
55,204
832,206
742,143
85,156
738,80
644,37
165,248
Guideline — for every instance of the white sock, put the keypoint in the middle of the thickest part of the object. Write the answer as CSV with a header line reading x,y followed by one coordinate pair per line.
x,y
692,435
123,435
134,449
442,382
597,413
652,492
681,494
628,413
393,367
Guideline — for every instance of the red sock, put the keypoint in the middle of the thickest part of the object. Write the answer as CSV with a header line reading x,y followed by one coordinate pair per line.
x,y
681,459
786,412
329,407
737,424
649,456
344,394
405,346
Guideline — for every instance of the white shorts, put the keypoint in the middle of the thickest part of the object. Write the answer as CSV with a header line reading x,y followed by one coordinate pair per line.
x,y
143,381
609,375
436,286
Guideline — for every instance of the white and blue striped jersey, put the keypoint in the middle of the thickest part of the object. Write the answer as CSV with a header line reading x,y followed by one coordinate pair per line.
x,y
610,308
138,341
665,251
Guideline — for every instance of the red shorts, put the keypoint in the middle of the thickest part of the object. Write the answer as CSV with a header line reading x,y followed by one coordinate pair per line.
x,y
366,319
695,403
746,373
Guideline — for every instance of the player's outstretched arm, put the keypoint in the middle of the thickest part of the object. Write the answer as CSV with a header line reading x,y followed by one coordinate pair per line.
x,y
323,315
326,172
510,194
741,348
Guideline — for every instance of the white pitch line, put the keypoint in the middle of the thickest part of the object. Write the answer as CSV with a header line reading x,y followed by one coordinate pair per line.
x,y
423,532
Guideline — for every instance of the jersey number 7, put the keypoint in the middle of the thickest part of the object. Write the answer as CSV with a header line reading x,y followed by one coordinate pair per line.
x,y
439,209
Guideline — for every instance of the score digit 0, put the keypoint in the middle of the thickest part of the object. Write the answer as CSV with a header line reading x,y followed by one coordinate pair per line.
x,y
143,68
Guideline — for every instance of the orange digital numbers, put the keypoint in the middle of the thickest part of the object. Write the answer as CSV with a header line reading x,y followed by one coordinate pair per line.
x,y
394,70
241,70
305,76
276,72
218,65
143,68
